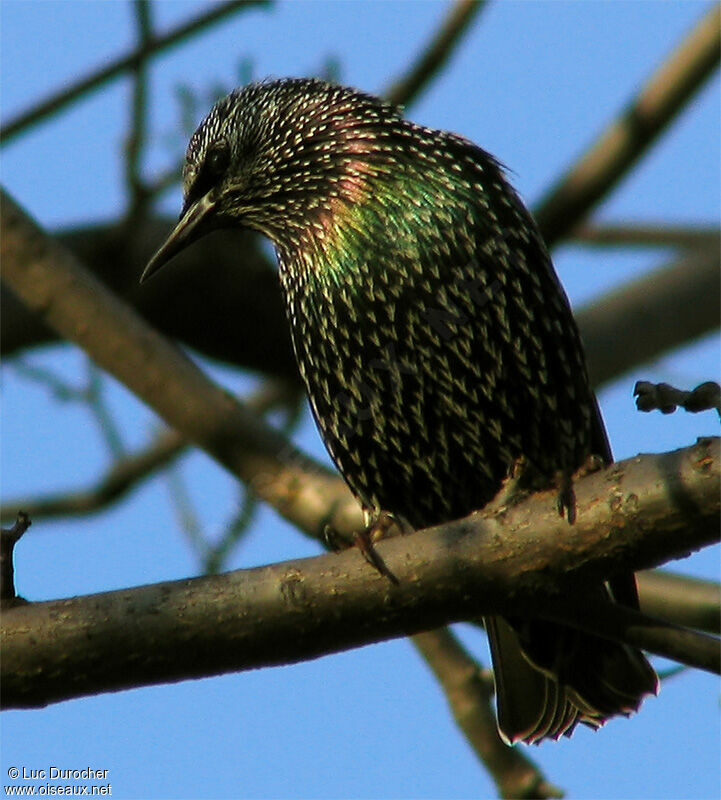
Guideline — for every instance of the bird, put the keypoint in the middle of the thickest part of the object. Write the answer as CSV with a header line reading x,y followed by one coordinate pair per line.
x,y
436,343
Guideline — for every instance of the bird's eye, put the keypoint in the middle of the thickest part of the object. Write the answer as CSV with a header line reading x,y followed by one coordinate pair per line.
x,y
217,159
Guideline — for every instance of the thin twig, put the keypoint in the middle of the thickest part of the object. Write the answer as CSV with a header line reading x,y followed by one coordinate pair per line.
x,y
407,88
9,537
121,478
186,515
57,101
469,691
164,181
129,472
630,135
137,137
98,406
217,554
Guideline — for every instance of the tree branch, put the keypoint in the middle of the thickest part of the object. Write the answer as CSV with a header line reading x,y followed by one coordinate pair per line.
x,y
407,88
56,102
135,144
9,537
630,325
666,398
228,272
130,471
52,283
622,329
123,475
687,237
691,602
522,559
627,138
469,692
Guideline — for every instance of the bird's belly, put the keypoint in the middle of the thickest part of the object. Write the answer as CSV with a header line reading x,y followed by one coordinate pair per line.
x,y
407,440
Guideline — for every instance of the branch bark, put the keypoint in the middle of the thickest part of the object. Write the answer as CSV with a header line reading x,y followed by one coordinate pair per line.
x,y
521,559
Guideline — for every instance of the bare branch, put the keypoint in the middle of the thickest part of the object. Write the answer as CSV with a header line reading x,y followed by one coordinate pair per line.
x,y
124,475
469,692
691,602
407,88
50,281
627,138
9,537
129,472
622,624
135,143
630,325
56,102
687,237
665,398
633,515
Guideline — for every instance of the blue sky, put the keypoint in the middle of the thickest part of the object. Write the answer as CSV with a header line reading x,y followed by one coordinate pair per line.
x,y
533,83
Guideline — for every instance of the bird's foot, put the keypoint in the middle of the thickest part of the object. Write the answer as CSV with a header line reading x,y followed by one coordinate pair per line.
x,y
381,525
511,491
378,526
593,463
566,498
333,541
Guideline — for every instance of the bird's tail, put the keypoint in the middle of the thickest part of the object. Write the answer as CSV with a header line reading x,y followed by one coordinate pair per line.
x,y
550,677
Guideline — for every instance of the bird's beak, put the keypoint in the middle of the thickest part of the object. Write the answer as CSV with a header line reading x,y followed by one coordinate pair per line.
x,y
191,226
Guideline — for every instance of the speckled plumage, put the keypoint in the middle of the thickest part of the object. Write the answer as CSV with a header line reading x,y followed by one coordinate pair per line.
x,y
431,331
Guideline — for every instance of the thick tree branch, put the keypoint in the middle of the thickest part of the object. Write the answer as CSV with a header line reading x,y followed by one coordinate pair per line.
x,y
227,276
627,138
52,283
459,17
522,559
230,275
96,80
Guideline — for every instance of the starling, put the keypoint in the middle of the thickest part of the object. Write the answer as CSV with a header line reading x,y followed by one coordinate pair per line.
x,y
435,341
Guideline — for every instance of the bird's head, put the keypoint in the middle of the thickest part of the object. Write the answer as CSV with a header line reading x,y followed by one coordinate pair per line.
x,y
278,156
